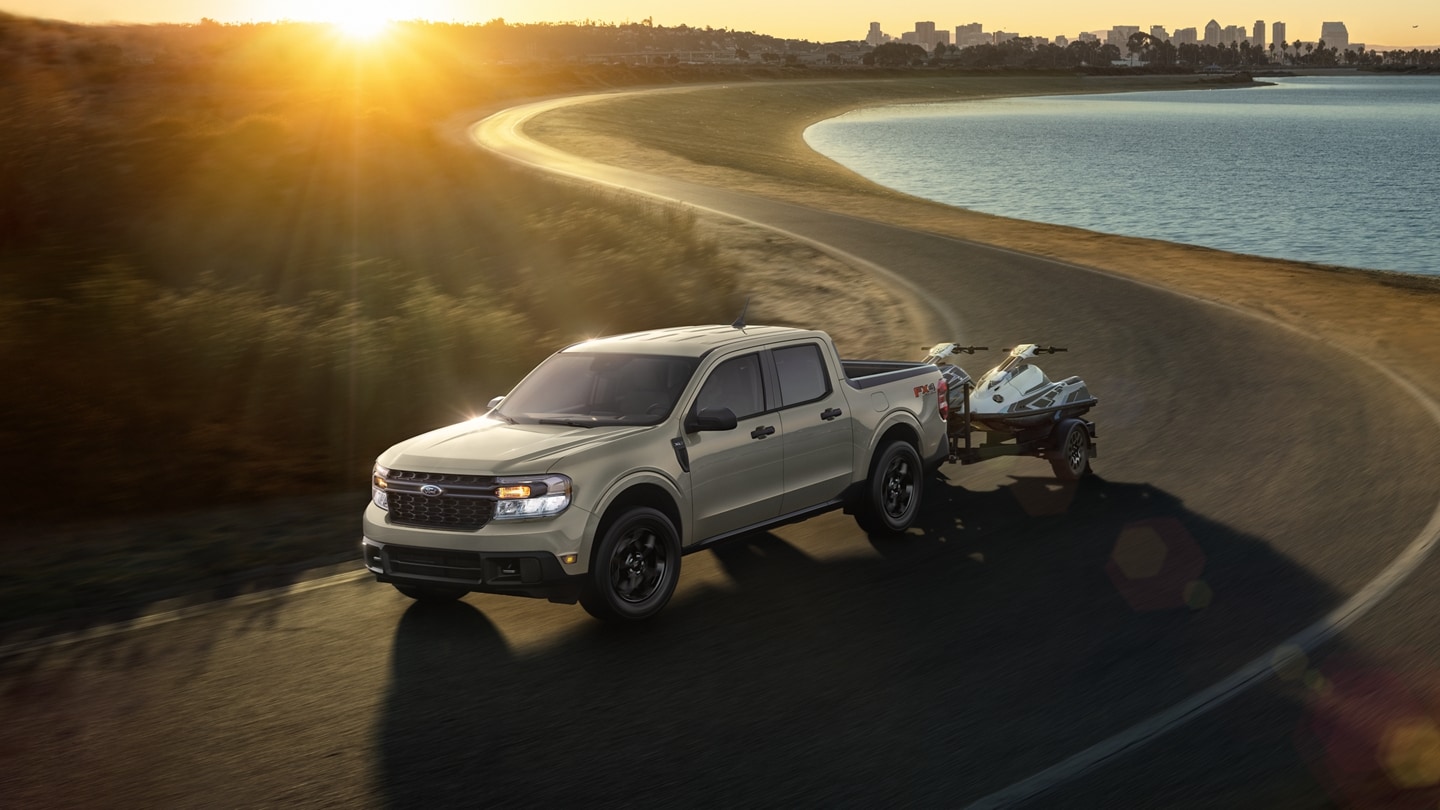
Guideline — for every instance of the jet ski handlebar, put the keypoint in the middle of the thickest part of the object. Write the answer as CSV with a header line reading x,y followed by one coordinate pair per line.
x,y
1042,349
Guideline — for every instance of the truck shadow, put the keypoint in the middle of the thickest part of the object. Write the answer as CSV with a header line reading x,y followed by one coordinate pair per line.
x,y
950,665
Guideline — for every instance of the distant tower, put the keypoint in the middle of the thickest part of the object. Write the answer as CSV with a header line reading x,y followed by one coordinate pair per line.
x,y
1212,33
1335,35
1258,38
925,34
876,36
1277,34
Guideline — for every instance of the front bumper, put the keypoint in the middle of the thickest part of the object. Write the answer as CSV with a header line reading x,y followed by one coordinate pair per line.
x,y
520,558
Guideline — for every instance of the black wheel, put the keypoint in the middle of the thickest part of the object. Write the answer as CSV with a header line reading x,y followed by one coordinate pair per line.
x,y
892,494
634,568
1071,457
431,593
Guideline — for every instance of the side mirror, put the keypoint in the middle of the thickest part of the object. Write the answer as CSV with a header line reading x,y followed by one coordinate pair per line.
x,y
495,403
711,419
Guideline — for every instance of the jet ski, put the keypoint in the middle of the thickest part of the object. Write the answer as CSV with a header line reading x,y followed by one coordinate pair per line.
x,y
1015,410
1014,396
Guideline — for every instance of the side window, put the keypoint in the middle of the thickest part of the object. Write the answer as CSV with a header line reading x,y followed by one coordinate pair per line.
x,y
735,384
801,370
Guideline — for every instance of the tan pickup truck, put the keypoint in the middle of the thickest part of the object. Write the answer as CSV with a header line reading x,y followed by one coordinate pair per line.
x,y
615,457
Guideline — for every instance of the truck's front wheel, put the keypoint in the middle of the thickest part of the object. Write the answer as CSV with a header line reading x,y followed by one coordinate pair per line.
x,y
891,501
635,568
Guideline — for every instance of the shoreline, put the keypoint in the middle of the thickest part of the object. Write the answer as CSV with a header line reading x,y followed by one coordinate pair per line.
x,y
755,143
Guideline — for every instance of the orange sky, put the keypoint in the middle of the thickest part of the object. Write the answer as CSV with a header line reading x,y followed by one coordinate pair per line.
x,y
1402,23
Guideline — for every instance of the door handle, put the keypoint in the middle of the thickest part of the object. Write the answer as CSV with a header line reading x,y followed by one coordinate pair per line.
x,y
829,413
761,432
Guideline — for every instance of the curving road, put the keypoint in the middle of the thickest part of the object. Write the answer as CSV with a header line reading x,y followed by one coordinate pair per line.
x,y
1035,643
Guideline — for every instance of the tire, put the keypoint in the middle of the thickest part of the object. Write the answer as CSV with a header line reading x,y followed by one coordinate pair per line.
x,y
431,593
635,567
891,501
1071,457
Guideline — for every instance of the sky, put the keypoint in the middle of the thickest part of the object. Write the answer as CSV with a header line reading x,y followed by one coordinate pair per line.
x,y
1400,23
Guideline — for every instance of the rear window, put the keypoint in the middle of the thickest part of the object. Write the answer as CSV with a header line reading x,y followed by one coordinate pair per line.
x,y
801,370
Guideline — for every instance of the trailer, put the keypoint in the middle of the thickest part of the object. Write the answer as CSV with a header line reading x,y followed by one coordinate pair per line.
x,y
1015,410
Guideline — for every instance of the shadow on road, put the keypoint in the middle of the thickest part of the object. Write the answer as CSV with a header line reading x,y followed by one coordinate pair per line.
x,y
984,649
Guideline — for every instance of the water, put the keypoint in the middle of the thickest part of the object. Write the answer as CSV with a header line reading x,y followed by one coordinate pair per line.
x,y
1336,170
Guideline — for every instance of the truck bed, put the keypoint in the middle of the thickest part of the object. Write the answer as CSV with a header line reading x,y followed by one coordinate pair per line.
x,y
863,374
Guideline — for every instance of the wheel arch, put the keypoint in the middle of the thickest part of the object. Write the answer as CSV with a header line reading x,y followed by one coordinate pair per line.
x,y
639,490
897,428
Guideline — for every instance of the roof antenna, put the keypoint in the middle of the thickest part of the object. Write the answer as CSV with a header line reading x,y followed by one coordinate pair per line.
x,y
740,321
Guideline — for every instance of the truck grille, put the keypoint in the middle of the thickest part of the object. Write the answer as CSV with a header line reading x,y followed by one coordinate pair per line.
x,y
466,502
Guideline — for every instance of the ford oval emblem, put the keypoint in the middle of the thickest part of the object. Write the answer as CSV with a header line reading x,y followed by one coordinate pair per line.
x,y
431,491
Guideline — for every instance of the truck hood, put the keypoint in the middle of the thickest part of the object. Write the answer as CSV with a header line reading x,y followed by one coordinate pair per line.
x,y
486,446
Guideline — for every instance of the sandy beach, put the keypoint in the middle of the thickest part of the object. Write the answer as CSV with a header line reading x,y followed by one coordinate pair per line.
x,y
750,137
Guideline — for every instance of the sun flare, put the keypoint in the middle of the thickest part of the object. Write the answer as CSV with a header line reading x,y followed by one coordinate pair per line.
x,y
360,21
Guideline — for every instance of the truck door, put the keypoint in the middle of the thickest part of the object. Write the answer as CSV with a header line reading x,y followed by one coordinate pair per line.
x,y
736,475
819,455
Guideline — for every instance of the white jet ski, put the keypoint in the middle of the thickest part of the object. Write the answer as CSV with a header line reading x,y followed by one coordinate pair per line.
x,y
1014,396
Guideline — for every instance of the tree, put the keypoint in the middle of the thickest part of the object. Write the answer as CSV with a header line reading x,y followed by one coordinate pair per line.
x,y
898,54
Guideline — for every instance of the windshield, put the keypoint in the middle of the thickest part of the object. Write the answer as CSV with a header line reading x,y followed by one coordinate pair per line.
x,y
587,390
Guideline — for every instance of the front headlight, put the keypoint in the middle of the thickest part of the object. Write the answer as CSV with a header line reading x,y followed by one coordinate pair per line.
x,y
529,498
379,483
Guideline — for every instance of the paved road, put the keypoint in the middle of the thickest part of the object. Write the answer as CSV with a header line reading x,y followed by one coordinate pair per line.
x,y
1251,481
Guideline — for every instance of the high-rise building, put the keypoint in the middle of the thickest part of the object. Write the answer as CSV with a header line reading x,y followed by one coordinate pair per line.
x,y
1335,35
1258,38
925,34
1186,36
1212,33
1277,35
1119,36
1158,32
876,36
971,34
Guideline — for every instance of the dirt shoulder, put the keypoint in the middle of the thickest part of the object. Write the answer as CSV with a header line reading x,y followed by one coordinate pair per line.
x,y
751,138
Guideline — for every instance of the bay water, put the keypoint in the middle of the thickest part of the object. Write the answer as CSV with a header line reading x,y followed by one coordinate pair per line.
x,y
1331,169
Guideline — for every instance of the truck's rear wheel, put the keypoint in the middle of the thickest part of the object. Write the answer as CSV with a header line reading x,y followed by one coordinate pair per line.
x,y
1071,457
635,568
891,501
431,593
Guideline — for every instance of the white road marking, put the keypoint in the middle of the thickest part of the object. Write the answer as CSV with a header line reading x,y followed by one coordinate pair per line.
x,y
168,616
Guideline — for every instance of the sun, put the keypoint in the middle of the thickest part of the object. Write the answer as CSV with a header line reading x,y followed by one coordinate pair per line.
x,y
360,21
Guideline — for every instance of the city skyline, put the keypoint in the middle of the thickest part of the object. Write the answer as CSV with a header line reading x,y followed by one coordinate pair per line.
x,y
929,35
1393,23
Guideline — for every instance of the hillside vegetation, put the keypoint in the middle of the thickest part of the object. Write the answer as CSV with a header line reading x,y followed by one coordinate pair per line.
x,y
238,261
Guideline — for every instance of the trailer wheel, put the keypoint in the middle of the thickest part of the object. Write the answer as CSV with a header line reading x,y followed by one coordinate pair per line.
x,y
635,568
891,501
1071,457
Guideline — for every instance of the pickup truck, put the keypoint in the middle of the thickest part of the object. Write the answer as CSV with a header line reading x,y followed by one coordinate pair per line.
x,y
617,456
